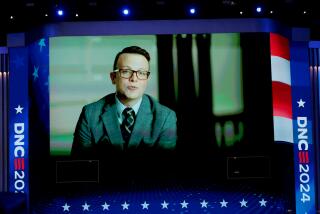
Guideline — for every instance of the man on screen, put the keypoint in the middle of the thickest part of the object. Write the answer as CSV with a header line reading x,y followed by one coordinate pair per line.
x,y
127,119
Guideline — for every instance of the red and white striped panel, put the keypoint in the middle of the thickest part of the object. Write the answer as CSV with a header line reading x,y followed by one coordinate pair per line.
x,y
281,88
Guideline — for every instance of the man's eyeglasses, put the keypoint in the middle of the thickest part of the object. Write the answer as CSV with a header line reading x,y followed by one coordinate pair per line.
x,y
127,73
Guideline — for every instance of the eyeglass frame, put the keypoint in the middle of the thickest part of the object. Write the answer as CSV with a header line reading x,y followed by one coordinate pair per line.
x,y
133,71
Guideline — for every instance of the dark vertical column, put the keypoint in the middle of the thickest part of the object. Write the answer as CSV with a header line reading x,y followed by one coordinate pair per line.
x,y
258,112
188,141
1,128
314,66
5,130
3,120
317,142
165,70
205,102
257,88
186,93
313,83
167,96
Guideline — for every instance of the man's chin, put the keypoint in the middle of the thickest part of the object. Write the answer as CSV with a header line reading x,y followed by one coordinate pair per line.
x,y
133,96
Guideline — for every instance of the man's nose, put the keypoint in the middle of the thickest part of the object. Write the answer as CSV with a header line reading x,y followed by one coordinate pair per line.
x,y
134,77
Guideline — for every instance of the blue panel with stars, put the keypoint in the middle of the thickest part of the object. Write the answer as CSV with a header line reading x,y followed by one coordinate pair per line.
x,y
39,79
302,118
173,200
18,121
28,89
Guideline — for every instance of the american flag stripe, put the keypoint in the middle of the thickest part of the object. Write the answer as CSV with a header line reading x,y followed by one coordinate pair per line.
x,y
280,70
281,100
283,130
281,88
279,46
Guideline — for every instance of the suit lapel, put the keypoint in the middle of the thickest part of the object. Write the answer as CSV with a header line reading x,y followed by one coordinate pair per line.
x,y
144,117
111,123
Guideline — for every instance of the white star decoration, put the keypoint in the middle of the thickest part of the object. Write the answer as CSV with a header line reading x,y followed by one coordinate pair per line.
x,y
18,109
243,203
105,206
164,205
65,207
42,44
145,205
204,204
85,206
35,72
223,203
184,204
125,206
263,203
301,103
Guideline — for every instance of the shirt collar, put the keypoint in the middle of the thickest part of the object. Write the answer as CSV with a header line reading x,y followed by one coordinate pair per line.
x,y
121,107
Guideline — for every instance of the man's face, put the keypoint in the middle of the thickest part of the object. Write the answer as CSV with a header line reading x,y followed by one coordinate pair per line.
x,y
133,88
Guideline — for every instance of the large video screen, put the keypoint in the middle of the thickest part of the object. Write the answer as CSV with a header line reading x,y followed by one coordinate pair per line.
x,y
80,69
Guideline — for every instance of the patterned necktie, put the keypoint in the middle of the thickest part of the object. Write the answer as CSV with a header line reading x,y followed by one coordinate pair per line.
x,y
127,124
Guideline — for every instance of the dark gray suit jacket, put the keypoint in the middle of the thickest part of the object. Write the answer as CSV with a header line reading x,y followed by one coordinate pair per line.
x,y
98,128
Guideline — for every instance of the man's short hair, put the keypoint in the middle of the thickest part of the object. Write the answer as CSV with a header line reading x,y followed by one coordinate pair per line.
x,y
134,50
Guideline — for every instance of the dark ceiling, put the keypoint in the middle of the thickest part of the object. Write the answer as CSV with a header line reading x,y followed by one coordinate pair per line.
x,y
21,15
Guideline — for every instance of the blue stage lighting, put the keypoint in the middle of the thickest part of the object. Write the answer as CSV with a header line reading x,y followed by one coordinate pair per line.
x,y
126,12
259,9
192,11
60,12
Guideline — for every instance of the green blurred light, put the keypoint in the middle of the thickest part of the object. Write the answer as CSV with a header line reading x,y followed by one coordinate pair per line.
x,y
226,68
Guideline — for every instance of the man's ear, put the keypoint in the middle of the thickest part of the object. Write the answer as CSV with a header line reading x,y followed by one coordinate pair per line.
x,y
113,76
